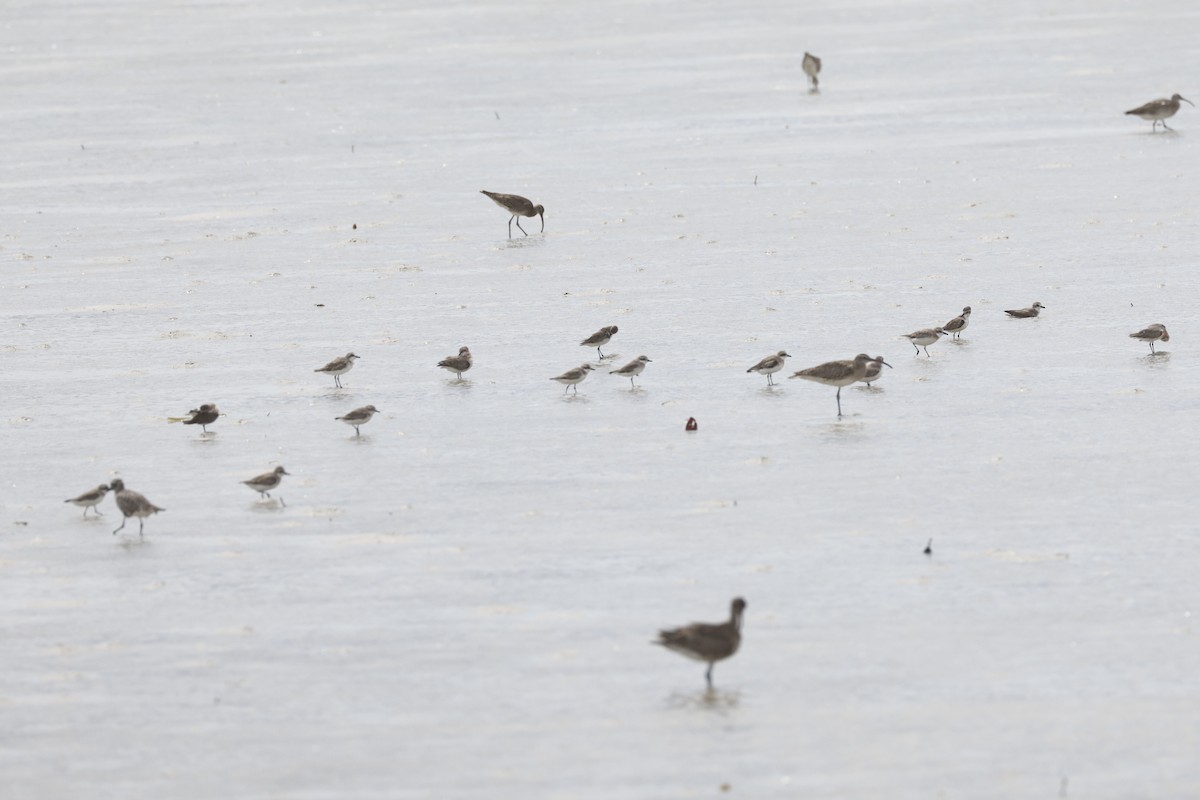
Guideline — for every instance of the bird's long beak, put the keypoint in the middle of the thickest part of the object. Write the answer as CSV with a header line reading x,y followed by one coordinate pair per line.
x,y
889,366
1189,102
542,216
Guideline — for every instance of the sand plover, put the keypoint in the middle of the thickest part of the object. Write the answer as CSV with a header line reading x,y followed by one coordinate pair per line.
x,y
600,338
924,338
837,373
770,365
133,504
1026,313
707,642
874,370
459,363
634,367
359,416
573,377
339,367
1160,110
1149,334
517,206
90,499
263,484
959,324
812,67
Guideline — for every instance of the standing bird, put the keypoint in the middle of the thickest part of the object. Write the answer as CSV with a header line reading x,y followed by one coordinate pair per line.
x,y
959,324
707,642
1026,313
924,338
263,484
339,367
573,377
812,68
203,416
874,370
517,206
459,363
1150,334
600,338
359,416
837,373
133,504
90,499
770,365
1160,110
634,367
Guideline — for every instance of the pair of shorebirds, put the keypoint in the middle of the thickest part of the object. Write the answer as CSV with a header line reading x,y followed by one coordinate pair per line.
x,y
129,502
862,368
574,377
342,364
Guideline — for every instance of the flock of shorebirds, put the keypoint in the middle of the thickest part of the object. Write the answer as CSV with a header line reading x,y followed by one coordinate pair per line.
x,y
709,643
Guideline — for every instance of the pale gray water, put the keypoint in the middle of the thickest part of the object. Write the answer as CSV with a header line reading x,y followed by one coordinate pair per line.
x,y
460,603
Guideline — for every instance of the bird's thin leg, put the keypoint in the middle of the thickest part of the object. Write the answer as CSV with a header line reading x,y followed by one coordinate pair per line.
x,y
356,433
281,503
1152,347
203,429
708,675
927,353
632,385
576,388
519,224
914,344
601,352
510,219
142,527
1165,126
123,521
566,389
839,400
337,381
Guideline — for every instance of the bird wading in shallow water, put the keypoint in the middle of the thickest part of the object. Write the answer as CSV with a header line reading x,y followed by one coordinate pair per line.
x,y
770,365
959,324
339,367
837,373
264,483
634,367
90,499
517,206
600,338
1150,334
707,642
573,377
359,416
1160,110
133,504
812,68
457,364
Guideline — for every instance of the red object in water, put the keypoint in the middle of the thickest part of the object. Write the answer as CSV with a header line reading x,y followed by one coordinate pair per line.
x,y
691,424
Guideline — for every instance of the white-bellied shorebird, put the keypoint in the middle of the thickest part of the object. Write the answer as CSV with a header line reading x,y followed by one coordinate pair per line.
x,y
634,367
459,363
263,484
812,68
770,365
339,367
573,377
600,338
707,642
1149,334
1025,313
359,416
90,499
874,370
133,504
517,206
837,373
959,324
924,338
1160,110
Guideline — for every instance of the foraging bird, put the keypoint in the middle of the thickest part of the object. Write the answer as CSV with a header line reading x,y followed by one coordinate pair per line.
x,y
1150,334
812,67
959,324
770,365
517,206
1160,110
705,642
874,370
600,338
634,367
90,499
263,484
359,416
924,338
1026,313
573,377
339,367
459,363
838,373
133,504
203,416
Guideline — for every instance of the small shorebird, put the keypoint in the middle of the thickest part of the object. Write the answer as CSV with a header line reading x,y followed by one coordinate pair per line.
x,y
837,373
263,484
133,504
634,367
1149,334
707,642
924,338
459,363
573,377
90,499
1160,110
874,370
359,416
339,367
770,365
959,324
600,338
517,206
203,416
1025,313
812,67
